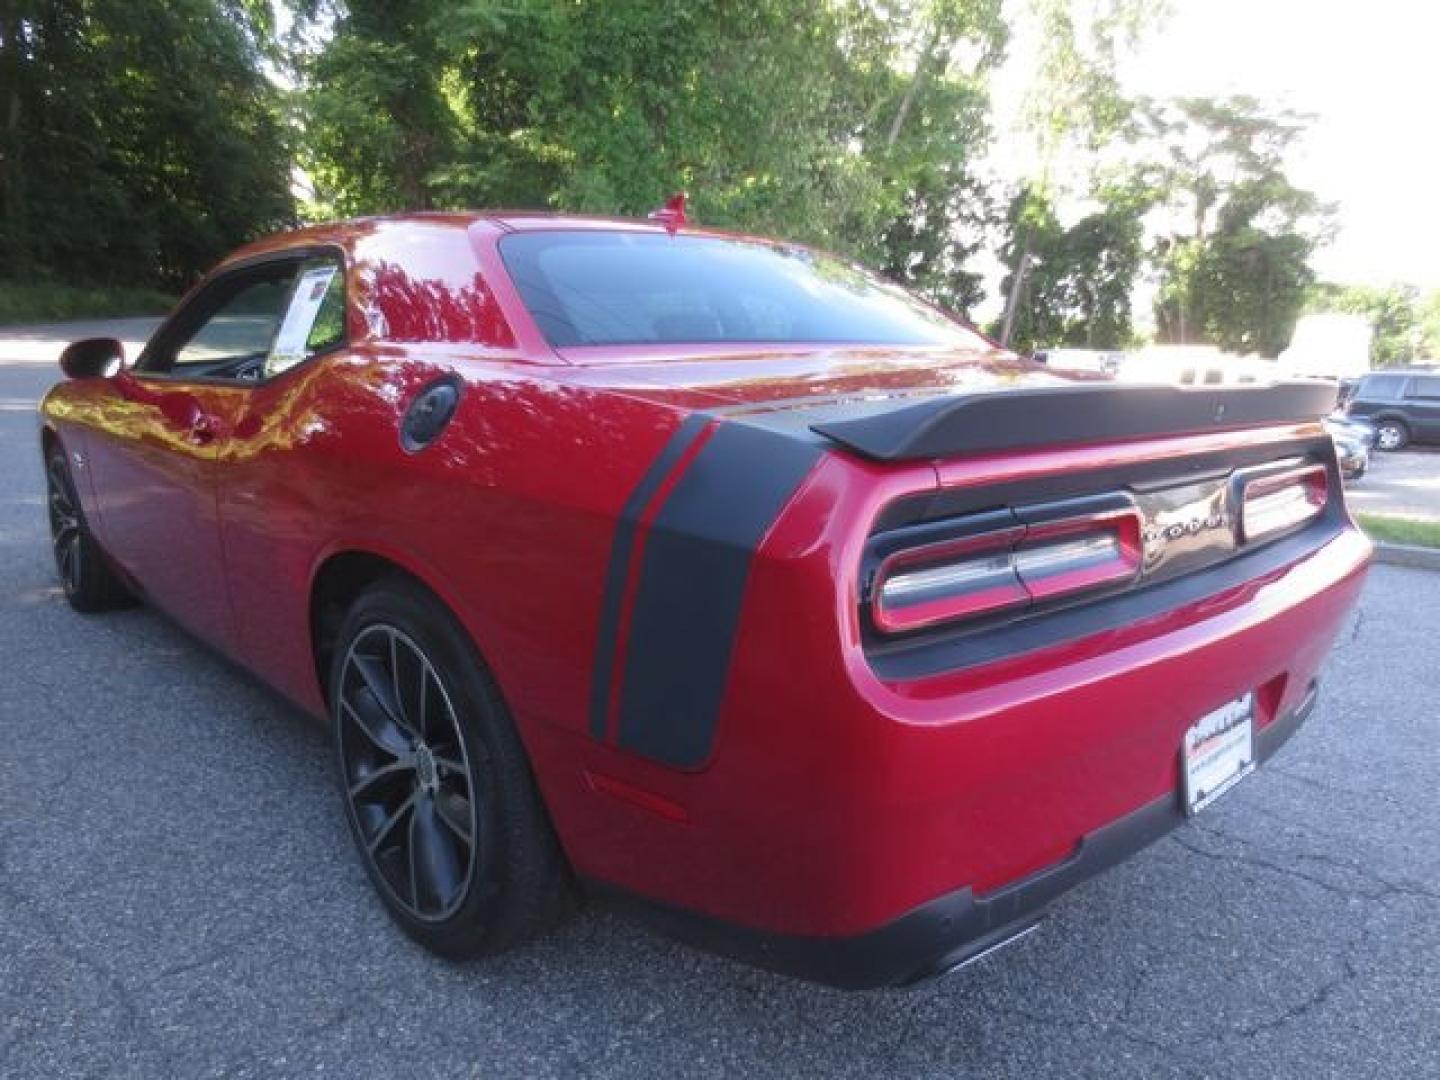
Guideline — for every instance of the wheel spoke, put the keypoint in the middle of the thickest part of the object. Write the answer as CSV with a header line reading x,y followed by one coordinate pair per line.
x,y
388,826
407,682
368,785
423,706
381,687
454,810
367,714
67,559
435,866
449,766
65,535
60,482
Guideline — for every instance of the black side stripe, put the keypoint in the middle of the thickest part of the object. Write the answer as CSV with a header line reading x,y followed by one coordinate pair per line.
x,y
621,549
692,578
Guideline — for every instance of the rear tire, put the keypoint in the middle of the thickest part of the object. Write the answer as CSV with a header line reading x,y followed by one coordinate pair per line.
x,y
1391,435
437,787
89,582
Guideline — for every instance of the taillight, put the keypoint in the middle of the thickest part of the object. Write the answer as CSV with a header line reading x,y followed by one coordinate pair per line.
x,y
1006,569
1282,501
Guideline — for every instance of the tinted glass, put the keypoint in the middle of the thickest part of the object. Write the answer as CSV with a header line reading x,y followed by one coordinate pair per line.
x,y
1381,387
243,325
314,319
620,288
1427,386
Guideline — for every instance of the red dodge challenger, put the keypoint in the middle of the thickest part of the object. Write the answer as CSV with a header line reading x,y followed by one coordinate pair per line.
x,y
707,572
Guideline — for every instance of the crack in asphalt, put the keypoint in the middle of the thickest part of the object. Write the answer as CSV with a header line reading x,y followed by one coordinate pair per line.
x,y
1386,887
132,1018
1317,999
1357,623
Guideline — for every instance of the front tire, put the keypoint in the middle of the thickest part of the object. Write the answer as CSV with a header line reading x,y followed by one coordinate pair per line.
x,y
1391,435
89,582
437,786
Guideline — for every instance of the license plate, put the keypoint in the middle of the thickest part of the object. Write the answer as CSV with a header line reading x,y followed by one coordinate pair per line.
x,y
1218,752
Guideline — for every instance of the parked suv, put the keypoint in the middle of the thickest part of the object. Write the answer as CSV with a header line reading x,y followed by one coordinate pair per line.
x,y
1403,406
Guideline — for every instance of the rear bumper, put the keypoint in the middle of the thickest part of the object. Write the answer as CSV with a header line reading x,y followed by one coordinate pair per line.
x,y
951,930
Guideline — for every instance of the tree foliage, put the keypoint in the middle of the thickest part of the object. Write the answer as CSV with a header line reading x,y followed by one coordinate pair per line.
x,y
1080,279
1234,268
137,142
1406,324
800,118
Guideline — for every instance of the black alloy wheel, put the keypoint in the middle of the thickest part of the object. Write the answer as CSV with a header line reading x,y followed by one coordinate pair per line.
x,y
66,537
407,773
87,578
438,788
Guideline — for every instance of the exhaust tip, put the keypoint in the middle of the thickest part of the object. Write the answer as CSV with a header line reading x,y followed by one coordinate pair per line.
x,y
989,948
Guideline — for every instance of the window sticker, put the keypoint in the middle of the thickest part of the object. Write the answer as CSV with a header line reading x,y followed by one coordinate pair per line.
x,y
290,343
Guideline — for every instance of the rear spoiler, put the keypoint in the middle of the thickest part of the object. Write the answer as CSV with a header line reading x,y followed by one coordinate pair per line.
x,y
1051,415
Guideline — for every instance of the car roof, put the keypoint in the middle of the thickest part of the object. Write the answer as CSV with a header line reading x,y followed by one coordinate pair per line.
x,y
344,233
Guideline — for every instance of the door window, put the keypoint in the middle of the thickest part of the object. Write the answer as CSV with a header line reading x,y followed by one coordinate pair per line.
x,y
240,327
314,320
1381,387
255,323
1427,387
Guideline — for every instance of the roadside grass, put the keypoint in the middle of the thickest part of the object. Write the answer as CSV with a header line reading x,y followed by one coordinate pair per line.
x,y
1398,530
40,302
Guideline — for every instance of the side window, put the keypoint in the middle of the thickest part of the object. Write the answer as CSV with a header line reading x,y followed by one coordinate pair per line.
x,y
1427,388
315,318
1381,387
240,323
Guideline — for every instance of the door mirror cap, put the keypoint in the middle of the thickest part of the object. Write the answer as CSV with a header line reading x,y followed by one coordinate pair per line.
x,y
93,358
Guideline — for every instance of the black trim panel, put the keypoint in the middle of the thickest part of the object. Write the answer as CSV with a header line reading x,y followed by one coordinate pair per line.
x,y
949,930
691,584
985,640
948,647
1052,415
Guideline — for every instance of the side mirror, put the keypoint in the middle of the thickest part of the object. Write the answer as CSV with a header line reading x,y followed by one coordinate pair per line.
x,y
93,358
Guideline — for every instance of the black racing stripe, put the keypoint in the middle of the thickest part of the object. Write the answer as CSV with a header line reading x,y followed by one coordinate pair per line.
x,y
692,581
621,548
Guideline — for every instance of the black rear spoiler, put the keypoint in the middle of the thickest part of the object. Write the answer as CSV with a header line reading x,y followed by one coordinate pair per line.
x,y
1051,415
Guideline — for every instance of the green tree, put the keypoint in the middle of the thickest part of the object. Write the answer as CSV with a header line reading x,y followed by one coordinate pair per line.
x,y
1429,318
853,125
1395,314
1073,107
1235,270
923,90
377,120
1079,281
137,142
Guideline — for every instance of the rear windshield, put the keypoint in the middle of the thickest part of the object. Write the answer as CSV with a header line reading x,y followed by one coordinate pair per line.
x,y
625,288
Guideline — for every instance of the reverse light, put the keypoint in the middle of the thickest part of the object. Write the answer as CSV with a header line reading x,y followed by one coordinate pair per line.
x,y
1282,501
1005,569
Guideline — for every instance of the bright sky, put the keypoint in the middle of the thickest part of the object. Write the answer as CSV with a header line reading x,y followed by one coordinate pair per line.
x,y
1365,71
1368,73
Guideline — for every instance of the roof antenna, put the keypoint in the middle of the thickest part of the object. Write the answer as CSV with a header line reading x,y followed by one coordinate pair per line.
x,y
672,214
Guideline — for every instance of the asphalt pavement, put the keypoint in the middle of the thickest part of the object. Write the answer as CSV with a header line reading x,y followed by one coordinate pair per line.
x,y
1404,484
178,896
